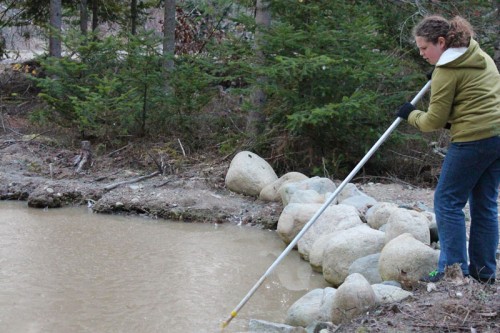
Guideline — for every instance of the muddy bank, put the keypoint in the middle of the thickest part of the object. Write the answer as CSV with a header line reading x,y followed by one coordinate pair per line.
x,y
37,169
39,172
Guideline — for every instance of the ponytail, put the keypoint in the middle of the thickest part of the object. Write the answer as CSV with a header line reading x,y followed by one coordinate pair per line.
x,y
460,32
457,32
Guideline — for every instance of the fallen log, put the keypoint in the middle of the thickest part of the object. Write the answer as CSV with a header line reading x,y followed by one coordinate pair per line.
x,y
131,181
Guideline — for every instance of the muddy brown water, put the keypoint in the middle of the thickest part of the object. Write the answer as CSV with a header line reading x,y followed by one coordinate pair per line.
x,y
69,270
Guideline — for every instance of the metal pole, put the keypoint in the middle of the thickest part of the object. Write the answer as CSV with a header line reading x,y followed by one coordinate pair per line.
x,y
323,208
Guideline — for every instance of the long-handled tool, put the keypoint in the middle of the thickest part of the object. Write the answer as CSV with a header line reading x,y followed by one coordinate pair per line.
x,y
323,208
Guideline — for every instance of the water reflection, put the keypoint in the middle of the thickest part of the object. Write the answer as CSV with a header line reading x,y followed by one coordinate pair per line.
x,y
68,270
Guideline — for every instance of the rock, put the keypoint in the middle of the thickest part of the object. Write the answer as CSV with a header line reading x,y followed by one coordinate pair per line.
x,y
317,250
262,326
389,294
306,309
334,218
362,202
378,215
293,218
249,174
320,327
326,306
406,260
349,190
432,226
345,247
53,197
306,196
271,191
368,267
391,283
316,306
408,221
320,185
354,297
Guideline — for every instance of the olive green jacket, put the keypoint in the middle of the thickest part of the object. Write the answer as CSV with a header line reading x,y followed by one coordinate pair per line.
x,y
465,92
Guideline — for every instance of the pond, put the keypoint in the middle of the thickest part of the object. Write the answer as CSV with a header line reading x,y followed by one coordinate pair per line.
x,y
70,270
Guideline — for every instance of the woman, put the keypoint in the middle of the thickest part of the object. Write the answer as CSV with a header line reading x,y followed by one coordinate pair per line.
x,y
465,97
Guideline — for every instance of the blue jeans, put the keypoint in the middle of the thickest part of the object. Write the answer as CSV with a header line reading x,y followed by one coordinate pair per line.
x,y
471,171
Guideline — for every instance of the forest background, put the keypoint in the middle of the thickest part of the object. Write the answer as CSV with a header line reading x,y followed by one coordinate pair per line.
x,y
308,85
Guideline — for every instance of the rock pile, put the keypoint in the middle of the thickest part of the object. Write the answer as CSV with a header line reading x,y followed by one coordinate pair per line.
x,y
368,251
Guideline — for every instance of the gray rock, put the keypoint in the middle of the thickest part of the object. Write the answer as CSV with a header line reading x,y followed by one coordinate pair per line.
x,y
317,251
320,185
391,283
354,297
327,305
320,327
271,191
362,202
306,196
350,190
306,309
316,306
368,267
389,294
262,326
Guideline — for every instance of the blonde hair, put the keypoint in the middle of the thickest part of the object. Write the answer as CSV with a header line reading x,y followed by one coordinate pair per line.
x,y
457,32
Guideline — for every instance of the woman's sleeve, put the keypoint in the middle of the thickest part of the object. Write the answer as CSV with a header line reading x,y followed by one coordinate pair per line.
x,y
443,87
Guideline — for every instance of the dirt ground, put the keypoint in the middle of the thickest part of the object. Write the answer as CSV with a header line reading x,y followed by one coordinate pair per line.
x,y
37,167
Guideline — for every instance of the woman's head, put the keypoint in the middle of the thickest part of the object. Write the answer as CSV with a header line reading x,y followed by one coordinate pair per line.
x,y
434,34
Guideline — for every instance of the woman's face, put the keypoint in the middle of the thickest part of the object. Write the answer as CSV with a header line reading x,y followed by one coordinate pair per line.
x,y
429,51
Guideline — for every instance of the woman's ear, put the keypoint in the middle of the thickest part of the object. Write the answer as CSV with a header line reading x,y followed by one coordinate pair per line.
x,y
441,42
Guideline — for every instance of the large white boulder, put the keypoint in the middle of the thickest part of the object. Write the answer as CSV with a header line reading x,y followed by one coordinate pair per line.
x,y
338,217
293,218
317,250
306,196
271,191
408,221
406,259
318,184
345,247
386,294
378,214
249,173
349,190
295,215
354,297
315,306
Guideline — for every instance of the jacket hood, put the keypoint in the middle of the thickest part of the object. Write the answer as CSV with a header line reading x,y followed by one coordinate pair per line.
x,y
462,57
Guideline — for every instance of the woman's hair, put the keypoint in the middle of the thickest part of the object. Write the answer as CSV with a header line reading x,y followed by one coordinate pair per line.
x,y
457,32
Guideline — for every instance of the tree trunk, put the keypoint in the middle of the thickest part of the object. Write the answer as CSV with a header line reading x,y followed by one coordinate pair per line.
x,y
84,17
55,29
133,17
84,159
255,118
95,20
168,42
